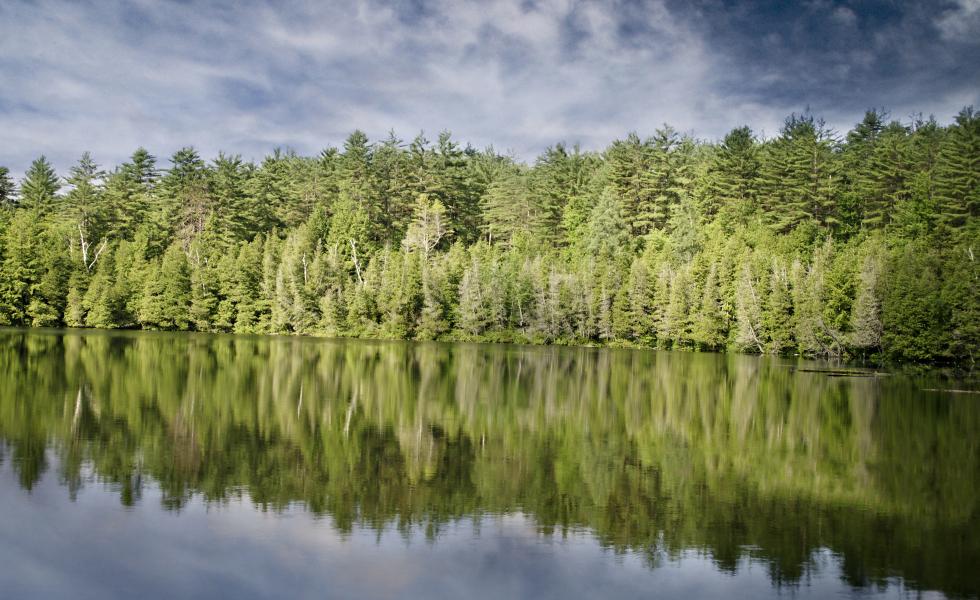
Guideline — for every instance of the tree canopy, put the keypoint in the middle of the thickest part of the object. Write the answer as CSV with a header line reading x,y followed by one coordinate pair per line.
x,y
810,242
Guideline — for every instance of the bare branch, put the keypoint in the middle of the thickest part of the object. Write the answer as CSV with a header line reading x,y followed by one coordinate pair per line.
x,y
98,253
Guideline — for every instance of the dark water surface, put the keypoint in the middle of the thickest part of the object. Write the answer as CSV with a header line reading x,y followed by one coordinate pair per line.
x,y
157,465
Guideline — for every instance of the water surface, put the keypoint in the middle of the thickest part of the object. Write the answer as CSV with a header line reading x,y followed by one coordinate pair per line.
x,y
183,465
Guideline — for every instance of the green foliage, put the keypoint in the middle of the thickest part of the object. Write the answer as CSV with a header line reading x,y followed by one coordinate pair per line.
x,y
7,189
912,310
804,243
734,176
166,302
800,174
37,191
957,173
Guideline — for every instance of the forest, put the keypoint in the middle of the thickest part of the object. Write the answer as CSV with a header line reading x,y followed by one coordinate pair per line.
x,y
810,242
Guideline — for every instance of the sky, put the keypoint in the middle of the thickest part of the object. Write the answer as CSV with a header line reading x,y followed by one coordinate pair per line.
x,y
247,76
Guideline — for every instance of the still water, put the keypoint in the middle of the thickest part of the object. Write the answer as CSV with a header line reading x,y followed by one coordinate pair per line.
x,y
184,465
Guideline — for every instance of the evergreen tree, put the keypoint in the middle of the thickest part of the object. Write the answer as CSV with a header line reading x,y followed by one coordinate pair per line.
x,y
101,305
451,185
750,334
912,310
958,171
127,195
8,190
606,231
800,175
40,185
22,267
272,198
866,326
511,209
393,190
560,181
237,216
961,296
167,293
734,175
429,227
777,317
185,198
87,212
247,293
628,166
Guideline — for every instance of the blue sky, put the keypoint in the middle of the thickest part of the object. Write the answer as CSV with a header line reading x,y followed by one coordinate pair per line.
x,y
248,76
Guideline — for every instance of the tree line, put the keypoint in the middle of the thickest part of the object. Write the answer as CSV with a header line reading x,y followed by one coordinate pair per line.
x,y
808,242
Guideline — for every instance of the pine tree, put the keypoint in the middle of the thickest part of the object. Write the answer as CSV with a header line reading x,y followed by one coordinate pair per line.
x,y
75,310
86,210
607,235
127,195
708,327
433,320
958,171
961,295
675,328
184,193
628,166
247,296
750,334
777,317
511,209
639,321
227,276
393,190
141,168
474,317
272,199
668,176
661,302
861,200
800,175
453,188
204,283
167,293
560,180
48,294
734,176
8,190
237,215
866,312
399,295
22,267
40,185
428,228
101,304
912,311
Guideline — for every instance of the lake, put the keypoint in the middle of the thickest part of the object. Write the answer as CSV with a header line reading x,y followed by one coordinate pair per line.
x,y
162,465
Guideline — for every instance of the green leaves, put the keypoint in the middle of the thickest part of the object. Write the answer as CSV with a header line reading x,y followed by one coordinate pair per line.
x,y
796,244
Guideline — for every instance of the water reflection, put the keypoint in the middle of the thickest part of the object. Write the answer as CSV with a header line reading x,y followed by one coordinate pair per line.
x,y
658,456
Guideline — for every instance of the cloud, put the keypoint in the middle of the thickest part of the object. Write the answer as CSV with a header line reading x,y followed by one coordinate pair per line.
x,y
961,22
245,77
844,16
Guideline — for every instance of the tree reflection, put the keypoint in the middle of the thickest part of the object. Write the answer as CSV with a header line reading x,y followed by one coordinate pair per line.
x,y
656,453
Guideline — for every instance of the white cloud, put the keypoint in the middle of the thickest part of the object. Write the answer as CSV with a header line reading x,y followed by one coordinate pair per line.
x,y
250,76
962,22
108,78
